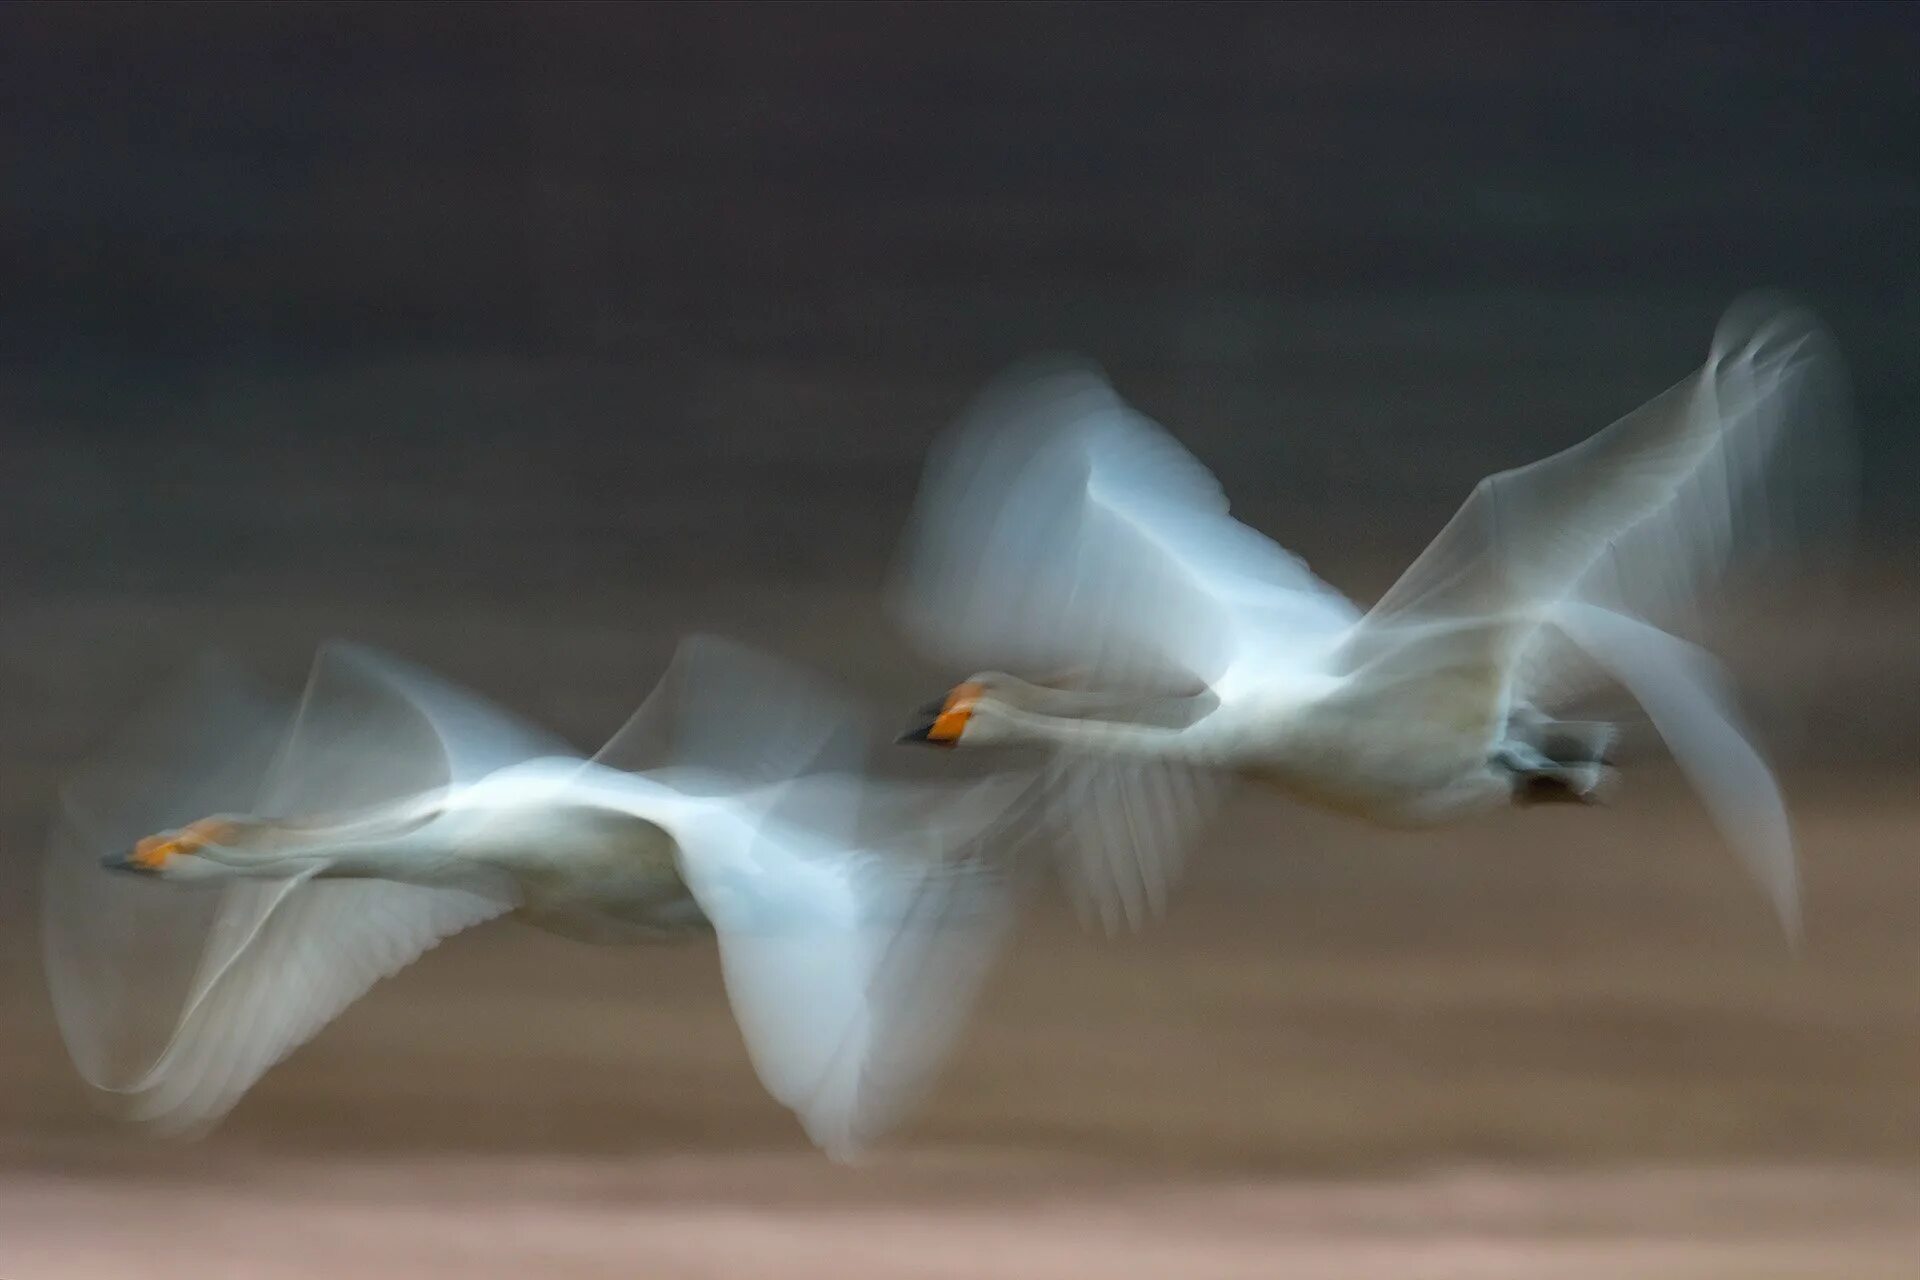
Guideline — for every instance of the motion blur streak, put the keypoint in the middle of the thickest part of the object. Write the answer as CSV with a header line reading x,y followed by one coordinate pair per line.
x,y
524,340
1059,527
852,930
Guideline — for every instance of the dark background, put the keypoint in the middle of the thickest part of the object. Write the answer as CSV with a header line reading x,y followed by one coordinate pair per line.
x,y
515,299
525,337
522,339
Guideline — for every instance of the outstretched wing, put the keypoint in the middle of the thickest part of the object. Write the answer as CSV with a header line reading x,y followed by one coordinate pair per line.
x,y
1687,699
310,949
271,961
1058,528
725,715
122,952
856,921
856,918
1127,826
1641,517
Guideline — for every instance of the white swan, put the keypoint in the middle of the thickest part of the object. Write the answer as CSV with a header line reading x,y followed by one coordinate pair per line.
x,y
1058,527
853,924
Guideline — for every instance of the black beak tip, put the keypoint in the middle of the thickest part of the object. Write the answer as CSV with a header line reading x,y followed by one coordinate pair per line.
x,y
920,734
120,861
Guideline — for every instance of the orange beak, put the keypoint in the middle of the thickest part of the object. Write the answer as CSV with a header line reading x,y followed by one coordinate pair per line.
x,y
152,853
950,718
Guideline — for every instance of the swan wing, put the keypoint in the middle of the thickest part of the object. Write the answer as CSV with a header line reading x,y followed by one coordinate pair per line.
x,y
1687,698
856,918
726,716
312,949
852,967
247,972
1059,528
1128,826
1643,517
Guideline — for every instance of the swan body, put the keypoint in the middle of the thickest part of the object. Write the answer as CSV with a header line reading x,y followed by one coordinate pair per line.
x,y
1059,527
853,925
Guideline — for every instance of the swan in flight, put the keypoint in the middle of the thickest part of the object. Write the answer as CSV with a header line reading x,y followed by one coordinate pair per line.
x,y
1058,528
317,852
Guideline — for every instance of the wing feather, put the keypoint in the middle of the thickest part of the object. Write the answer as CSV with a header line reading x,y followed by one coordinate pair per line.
x,y
1059,528
272,961
1643,517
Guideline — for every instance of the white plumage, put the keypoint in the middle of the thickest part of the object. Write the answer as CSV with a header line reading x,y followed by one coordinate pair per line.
x,y
855,920
1058,528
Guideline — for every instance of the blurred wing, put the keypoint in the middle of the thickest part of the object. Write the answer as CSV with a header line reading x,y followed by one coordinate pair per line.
x,y
1645,514
1059,528
1685,696
855,919
123,952
274,961
724,715
313,948
373,729
1128,826
853,954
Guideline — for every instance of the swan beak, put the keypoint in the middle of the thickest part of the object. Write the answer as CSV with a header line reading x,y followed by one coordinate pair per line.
x,y
147,857
152,854
944,718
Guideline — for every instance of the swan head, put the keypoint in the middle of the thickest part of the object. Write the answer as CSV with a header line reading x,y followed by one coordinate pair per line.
x,y
192,852
996,708
971,714
226,845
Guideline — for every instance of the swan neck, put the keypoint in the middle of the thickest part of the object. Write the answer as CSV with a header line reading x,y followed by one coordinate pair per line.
x,y
1094,736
